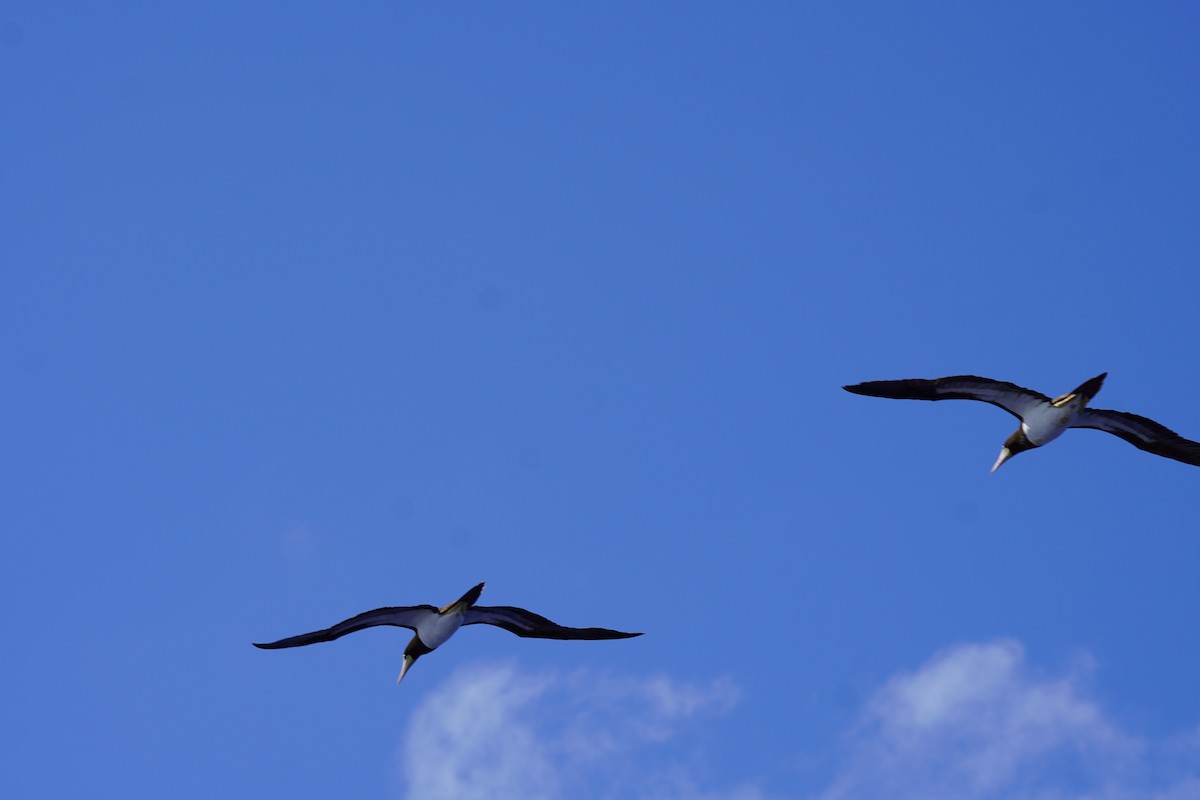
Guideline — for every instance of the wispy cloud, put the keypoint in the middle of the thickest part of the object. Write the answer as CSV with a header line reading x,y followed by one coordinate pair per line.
x,y
975,722
498,733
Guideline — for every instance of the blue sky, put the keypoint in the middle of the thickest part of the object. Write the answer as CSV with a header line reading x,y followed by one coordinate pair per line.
x,y
310,310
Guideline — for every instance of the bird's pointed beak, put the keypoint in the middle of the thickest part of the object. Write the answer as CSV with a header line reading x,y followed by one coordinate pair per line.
x,y
408,662
1005,455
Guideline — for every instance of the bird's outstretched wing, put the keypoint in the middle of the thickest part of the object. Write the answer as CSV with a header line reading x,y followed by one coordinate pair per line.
x,y
1144,434
400,616
534,626
1016,400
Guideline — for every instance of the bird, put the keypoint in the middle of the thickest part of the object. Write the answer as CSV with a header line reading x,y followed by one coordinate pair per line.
x,y
432,626
1042,419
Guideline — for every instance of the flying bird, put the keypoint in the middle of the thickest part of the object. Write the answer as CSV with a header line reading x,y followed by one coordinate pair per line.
x,y
1042,419
433,626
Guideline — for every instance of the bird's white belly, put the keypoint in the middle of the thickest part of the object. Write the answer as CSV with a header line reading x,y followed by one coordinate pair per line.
x,y
439,629
1047,423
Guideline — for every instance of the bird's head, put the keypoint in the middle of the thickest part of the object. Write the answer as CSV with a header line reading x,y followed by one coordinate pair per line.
x,y
416,648
1017,443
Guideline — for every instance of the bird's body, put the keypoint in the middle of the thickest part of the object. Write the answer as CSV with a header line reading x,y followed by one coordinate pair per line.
x,y
432,626
1044,425
434,631
1042,419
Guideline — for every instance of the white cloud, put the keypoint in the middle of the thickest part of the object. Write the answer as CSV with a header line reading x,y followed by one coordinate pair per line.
x,y
498,733
470,740
976,723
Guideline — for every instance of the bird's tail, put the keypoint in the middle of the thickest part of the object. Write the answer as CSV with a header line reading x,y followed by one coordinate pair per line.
x,y
1089,389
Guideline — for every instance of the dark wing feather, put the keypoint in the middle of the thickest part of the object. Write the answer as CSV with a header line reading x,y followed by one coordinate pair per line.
x,y
534,626
1016,400
1144,434
400,616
